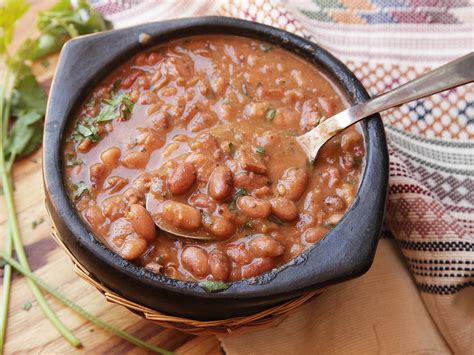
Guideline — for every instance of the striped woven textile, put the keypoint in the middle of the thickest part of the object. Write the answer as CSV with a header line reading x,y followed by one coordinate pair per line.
x,y
386,43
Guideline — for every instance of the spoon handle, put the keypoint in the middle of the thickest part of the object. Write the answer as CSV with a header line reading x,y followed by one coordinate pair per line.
x,y
455,73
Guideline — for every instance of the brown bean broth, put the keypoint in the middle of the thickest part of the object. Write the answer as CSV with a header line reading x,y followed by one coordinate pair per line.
x,y
256,97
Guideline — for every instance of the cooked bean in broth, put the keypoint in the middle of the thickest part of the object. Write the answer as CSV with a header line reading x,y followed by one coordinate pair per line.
x,y
199,134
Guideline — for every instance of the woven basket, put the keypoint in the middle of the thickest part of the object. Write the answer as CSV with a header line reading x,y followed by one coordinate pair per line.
x,y
269,317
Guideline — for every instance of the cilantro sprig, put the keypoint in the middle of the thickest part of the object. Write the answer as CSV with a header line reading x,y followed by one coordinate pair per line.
x,y
119,106
22,110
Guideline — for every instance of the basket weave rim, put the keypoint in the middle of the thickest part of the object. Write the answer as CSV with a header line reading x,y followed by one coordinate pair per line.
x,y
265,318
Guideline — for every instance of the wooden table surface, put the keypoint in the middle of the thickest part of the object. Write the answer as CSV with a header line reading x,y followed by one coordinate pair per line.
x,y
28,330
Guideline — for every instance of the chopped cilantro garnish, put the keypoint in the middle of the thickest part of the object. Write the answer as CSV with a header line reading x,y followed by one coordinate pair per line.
x,y
213,286
270,114
329,225
260,150
239,193
79,189
275,220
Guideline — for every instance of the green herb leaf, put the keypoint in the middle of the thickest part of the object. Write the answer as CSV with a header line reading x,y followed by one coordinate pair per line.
x,y
213,286
73,161
266,47
270,114
10,12
63,21
233,203
26,306
231,148
79,189
329,225
260,150
275,220
28,95
245,90
117,106
37,222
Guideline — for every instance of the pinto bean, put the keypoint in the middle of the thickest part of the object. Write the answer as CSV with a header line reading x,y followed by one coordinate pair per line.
x,y
249,181
256,111
293,183
115,184
328,105
148,97
347,193
142,182
97,172
181,178
219,264
133,196
142,222
220,183
85,145
150,141
333,176
136,160
181,216
94,216
239,253
349,140
264,245
284,209
257,267
160,120
251,162
133,247
315,234
113,207
203,201
110,157
334,203
254,207
195,260
154,58
220,227
203,164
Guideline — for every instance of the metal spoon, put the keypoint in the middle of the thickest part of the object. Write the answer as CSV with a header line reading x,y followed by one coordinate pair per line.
x,y
455,73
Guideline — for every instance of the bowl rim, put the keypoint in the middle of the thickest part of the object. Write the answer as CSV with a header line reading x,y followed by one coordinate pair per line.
x,y
349,256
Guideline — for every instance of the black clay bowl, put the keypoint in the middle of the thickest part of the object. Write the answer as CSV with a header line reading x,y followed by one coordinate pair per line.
x,y
346,252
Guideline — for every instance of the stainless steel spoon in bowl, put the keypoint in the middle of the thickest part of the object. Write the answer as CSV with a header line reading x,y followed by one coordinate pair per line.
x,y
455,73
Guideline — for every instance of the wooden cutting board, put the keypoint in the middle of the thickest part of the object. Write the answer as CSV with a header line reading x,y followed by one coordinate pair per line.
x,y
28,330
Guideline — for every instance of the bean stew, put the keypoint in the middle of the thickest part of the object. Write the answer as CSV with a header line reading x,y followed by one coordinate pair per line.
x,y
199,134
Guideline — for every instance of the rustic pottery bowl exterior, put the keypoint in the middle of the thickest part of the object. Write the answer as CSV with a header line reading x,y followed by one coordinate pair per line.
x,y
346,252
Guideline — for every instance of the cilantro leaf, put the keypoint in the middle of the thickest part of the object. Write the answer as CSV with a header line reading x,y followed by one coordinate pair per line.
x,y
10,12
213,286
233,203
270,114
79,189
28,95
26,306
66,19
275,220
118,106
266,47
